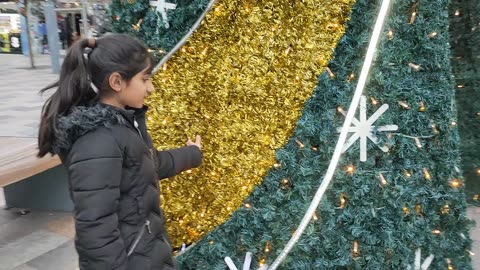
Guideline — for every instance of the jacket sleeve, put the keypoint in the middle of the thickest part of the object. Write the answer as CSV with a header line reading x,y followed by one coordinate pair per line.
x,y
172,162
95,170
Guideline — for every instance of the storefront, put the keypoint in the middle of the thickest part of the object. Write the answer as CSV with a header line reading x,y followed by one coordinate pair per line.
x,y
10,30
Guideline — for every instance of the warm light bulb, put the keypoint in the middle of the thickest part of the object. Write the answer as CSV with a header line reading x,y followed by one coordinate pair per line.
x,y
247,205
406,211
457,12
445,209
204,52
455,183
164,122
300,144
211,242
404,105
183,49
433,34
475,197
461,86
355,248
408,174
453,123
164,67
277,165
471,253
435,130
287,51
436,231
285,181
189,171
422,107
268,247
374,101
343,201
390,34
262,262
414,66
427,174
330,73
478,171
418,209
382,179
315,217
418,143
340,109
350,169
412,17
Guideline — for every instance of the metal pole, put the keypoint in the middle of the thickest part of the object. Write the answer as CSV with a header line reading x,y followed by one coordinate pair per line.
x,y
52,33
29,36
84,18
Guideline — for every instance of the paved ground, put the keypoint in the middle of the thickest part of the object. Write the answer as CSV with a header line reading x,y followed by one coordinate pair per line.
x,y
42,240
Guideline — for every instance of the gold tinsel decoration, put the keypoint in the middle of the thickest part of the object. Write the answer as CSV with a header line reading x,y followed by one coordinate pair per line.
x,y
240,82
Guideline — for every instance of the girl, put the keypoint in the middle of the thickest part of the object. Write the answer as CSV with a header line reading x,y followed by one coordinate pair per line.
x,y
95,123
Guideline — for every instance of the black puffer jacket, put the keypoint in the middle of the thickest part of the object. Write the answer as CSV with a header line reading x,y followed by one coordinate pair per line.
x,y
113,171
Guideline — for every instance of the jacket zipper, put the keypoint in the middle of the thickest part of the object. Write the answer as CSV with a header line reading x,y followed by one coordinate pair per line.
x,y
139,236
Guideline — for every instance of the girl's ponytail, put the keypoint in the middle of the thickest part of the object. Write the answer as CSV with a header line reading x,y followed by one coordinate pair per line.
x,y
73,88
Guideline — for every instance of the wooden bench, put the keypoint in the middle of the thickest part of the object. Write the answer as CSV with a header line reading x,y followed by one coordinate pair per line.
x,y
18,160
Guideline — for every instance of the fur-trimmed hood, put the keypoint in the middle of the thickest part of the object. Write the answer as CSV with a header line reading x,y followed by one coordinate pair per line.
x,y
84,119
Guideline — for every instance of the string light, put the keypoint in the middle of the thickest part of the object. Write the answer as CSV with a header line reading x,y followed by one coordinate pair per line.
x,y
390,34
422,107
418,209
343,201
330,73
404,105
164,67
314,148
455,183
432,35
277,165
471,253
204,52
164,122
350,169
453,123
418,143
405,210
262,262
211,242
374,101
314,217
427,174
351,77
299,143
382,179
435,130
475,197
287,51
412,17
414,66
449,265
189,171
436,231
355,249
247,205
478,171
461,86
407,174
268,247
457,12
136,27
445,209
184,49
285,181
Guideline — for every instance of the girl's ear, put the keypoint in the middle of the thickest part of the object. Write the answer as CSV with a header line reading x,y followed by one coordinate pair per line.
x,y
115,81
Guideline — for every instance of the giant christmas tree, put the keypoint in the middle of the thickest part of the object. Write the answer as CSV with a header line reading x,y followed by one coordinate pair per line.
x,y
244,81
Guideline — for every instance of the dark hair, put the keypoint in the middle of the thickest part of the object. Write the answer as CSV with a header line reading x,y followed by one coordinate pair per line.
x,y
89,61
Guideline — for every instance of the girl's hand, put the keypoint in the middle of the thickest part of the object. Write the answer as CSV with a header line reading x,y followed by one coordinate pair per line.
x,y
197,142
